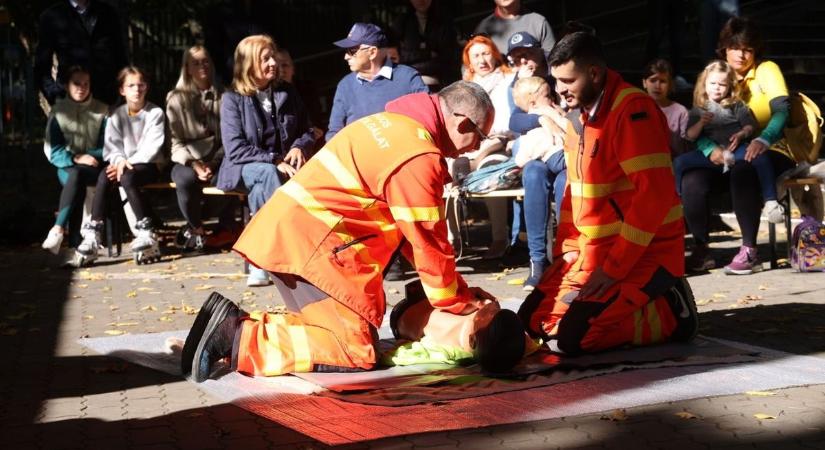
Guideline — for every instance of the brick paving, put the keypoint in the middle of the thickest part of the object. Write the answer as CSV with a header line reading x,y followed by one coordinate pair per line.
x,y
54,394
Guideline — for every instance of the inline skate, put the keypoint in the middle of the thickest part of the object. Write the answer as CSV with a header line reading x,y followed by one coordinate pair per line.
x,y
145,248
87,252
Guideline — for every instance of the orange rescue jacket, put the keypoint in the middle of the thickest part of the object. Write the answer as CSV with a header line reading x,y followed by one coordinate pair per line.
x,y
620,203
375,186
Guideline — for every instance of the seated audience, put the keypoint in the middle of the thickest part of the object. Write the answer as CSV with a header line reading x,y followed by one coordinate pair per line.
x,y
265,130
132,150
74,145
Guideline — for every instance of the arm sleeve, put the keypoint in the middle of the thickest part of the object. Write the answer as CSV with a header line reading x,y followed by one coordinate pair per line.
x,y
174,115
61,155
337,117
414,193
567,235
641,146
683,123
522,122
779,116
236,146
772,83
113,150
417,84
151,143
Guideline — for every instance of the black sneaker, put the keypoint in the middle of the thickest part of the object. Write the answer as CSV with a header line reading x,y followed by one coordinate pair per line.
x,y
700,259
197,329
536,270
217,340
682,304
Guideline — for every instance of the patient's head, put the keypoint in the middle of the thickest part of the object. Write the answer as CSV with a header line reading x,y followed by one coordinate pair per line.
x,y
499,340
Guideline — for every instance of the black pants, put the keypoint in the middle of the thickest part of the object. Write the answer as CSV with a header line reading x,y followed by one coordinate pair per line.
x,y
75,179
131,181
743,184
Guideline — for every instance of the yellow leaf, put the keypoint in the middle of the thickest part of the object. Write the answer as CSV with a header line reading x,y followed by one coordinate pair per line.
x,y
149,308
204,287
686,415
704,302
134,270
516,281
165,319
114,332
763,287
760,393
763,416
718,295
247,294
106,288
77,296
126,324
113,307
131,294
144,288
82,286
89,317
189,310
495,277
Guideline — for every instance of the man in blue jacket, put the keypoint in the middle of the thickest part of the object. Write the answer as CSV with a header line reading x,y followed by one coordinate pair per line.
x,y
374,81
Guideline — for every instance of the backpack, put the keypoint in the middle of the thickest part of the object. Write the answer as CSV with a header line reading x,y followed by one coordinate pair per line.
x,y
504,175
803,131
808,246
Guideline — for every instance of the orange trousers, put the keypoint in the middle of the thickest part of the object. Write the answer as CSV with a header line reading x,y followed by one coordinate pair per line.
x,y
317,333
633,311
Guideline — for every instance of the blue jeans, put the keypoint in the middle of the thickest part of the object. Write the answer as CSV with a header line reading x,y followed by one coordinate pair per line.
x,y
260,181
698,160
539,178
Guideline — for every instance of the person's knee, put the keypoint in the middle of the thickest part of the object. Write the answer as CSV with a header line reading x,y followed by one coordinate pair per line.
x,y
127,180
575,324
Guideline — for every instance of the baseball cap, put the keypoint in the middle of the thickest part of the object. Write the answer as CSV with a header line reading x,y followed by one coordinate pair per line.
x,y
522,39
363,34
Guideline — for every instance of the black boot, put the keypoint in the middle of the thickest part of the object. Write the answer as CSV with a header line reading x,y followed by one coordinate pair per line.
x,y
217,340
197,329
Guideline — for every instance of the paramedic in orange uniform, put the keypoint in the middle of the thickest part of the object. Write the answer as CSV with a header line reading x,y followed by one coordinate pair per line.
x,y
617,278
328,234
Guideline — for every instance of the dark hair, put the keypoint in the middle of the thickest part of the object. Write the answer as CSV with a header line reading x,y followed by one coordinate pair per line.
x,y
500,345
658,66
73,70
131,70
740,32
580,47
572,26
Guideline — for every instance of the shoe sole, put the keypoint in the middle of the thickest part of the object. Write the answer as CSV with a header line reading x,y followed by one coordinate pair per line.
x,y
756,268
197,330
221,313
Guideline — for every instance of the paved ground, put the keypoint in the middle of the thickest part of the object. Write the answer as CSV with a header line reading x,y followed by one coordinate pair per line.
x,y
54,394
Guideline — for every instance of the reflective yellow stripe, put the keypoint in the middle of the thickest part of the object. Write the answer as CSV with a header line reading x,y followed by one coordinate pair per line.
x,y
624,93
651,161
273,363
343,176
594,190
300,345
312,206
635,235
600,231
655,322
440,293
424,135
637,327
674,214
416,213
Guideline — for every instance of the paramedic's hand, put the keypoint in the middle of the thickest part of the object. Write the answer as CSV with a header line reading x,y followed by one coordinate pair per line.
x,y
286,169
755,148
717,156
295,158
85,160
596,285
481,294
570,257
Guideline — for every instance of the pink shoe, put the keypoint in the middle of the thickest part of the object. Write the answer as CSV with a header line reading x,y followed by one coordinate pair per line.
x,y
745,262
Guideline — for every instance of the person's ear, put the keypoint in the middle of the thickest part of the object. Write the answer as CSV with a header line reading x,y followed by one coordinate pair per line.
x,y
596,74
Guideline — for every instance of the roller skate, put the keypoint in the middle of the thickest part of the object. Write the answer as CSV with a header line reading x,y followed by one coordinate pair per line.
x,y
145,248
190,241
87,251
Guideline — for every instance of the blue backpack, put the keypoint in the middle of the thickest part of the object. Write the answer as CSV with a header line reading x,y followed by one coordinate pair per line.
x,y
505,175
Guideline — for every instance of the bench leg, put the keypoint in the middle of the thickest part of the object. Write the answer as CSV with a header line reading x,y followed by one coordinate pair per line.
x,y
772,240
787,205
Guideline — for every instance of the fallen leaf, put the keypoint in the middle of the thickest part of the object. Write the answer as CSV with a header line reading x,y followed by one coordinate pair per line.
x,y
131,294
106,288
204,287
114,332
89,317
82,286
144,288
686,415
134,271
516,282
165,319
189,310
77,296
495,277
760,393
618,415
704,302
763,287
718,295
763,416
113,307
125,324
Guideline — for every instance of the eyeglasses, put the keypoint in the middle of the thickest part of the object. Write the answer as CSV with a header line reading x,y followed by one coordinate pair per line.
x,y
481,134
352,51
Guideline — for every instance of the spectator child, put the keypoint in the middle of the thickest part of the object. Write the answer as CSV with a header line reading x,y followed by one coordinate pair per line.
x,y
533,95
74,144
193,109
720,115
658,82
132,149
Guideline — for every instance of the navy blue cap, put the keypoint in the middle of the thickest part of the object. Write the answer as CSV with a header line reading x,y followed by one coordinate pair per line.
x,y
522,39
363,34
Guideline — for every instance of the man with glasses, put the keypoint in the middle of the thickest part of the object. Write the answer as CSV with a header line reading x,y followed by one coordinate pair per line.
x,y
374,80
375,189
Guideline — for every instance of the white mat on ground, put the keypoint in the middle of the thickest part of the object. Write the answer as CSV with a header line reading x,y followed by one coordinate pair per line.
x,y
289,401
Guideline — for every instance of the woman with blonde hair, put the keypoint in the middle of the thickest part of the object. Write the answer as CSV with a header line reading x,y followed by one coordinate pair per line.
x,y
265,130
193,111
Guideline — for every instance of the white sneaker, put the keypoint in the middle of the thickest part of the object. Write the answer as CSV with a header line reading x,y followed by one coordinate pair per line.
x,y
53,241
258,278
774,211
